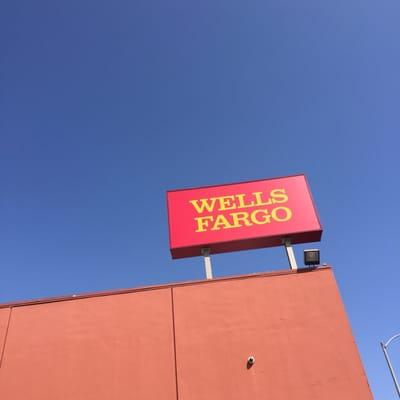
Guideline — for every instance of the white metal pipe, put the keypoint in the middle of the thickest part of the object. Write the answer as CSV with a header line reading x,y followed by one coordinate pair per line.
x,y
207,262
290,254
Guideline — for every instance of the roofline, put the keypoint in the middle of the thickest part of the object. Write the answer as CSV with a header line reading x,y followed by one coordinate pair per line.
x,y
156,287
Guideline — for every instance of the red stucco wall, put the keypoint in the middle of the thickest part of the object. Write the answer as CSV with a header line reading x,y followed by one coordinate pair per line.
x,y
188,342
112,347
4,318
294,326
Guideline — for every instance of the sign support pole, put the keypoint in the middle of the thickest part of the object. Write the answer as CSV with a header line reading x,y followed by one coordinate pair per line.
x,y
290,254
207,262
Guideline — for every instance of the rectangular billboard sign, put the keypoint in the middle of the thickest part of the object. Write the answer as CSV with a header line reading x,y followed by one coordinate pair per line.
x,y
241,216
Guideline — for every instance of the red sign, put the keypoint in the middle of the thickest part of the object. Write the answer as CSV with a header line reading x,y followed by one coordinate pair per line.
x,y
241,216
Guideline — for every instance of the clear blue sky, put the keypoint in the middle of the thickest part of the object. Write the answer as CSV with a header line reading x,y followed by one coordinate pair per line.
x,y
105,105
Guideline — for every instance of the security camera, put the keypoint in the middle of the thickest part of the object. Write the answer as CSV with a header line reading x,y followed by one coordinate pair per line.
x,y
251,360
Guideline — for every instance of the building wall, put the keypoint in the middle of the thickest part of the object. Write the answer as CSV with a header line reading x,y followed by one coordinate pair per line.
x,y
4,318
111,347
188,342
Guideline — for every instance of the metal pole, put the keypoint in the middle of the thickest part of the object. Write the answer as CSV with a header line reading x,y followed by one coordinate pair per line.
x,y
389,363
290,254
207,262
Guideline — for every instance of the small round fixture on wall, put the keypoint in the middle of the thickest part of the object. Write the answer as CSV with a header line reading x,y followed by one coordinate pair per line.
x,y
250,361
